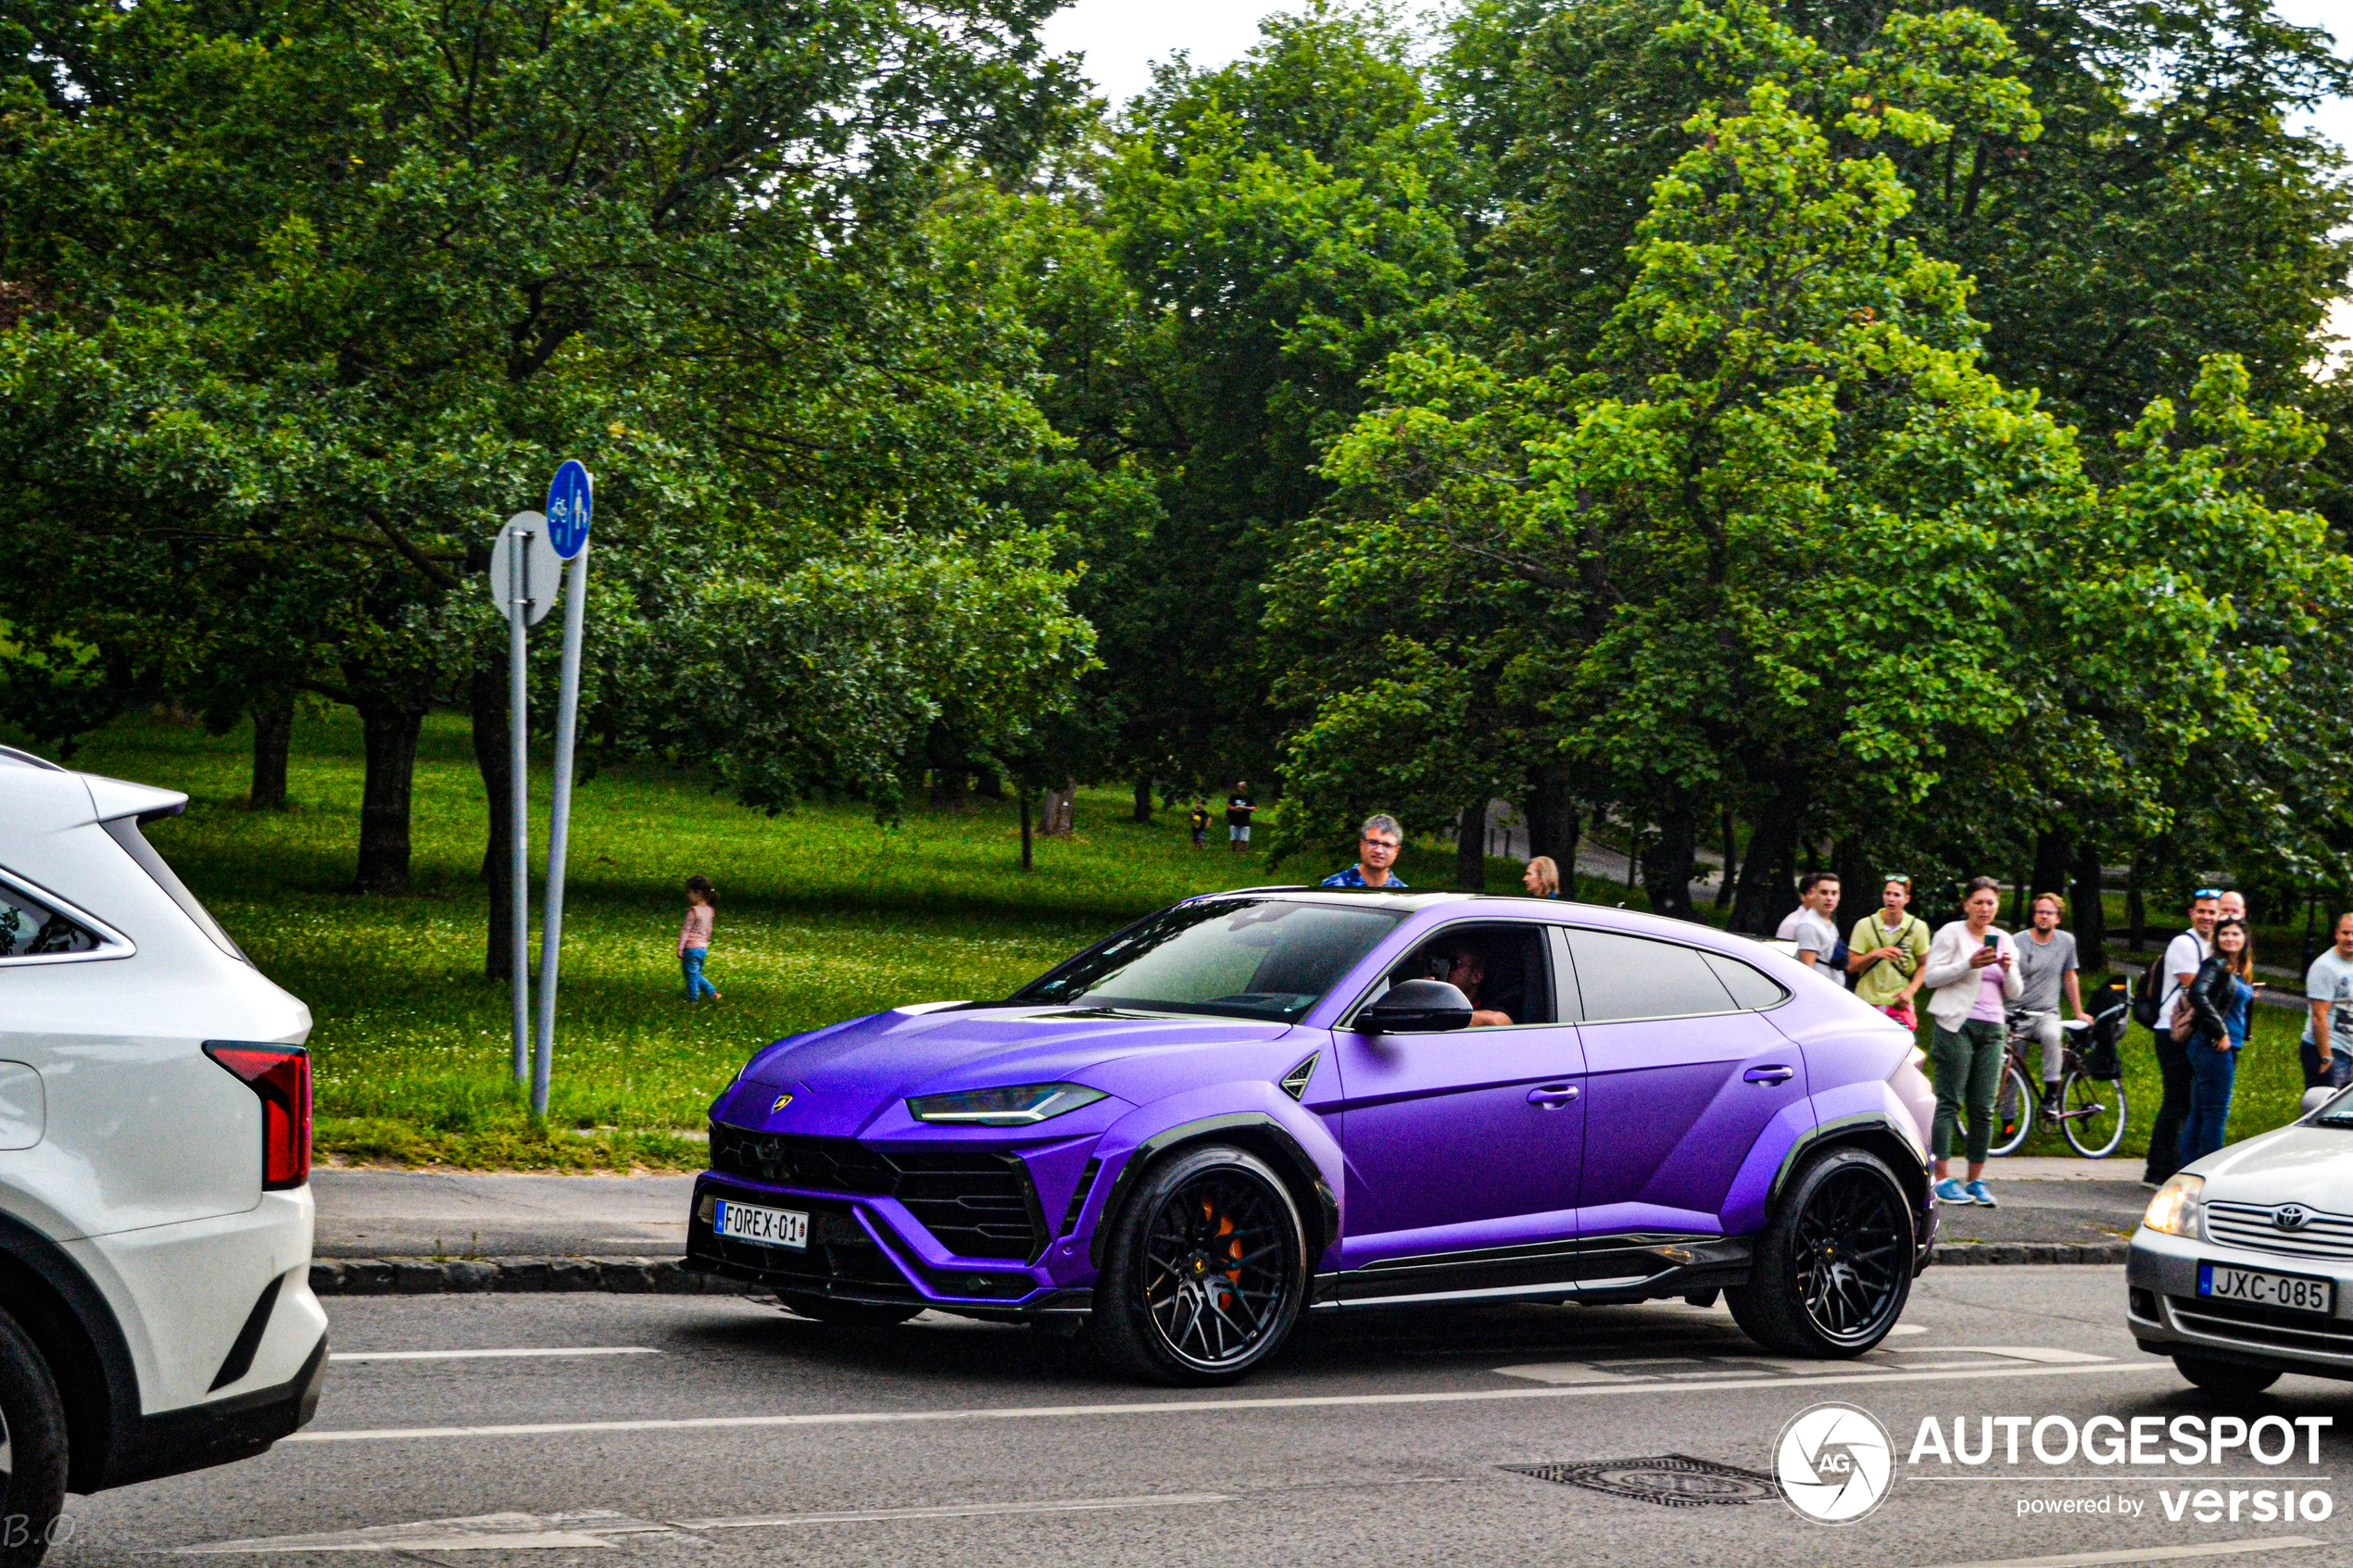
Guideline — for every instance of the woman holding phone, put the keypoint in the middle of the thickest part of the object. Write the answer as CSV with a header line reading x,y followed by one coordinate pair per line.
x,y
1971,975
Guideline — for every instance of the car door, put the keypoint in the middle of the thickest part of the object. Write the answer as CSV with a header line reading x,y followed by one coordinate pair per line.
x,y
1682,1073
1464,1148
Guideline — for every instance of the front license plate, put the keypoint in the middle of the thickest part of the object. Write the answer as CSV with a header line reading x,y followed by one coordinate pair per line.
x,y
746,1221
2295,1292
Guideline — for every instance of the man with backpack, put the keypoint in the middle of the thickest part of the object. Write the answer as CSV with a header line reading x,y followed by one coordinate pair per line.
x,y
2153,1005
1886,951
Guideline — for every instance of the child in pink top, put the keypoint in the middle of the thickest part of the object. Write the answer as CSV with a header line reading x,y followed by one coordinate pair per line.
x,y
694,937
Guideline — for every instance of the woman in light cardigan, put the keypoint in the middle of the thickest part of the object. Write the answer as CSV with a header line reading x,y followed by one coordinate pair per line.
x,y
1969,982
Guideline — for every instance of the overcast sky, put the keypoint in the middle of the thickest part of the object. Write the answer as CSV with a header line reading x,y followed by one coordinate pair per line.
x,y
1120,38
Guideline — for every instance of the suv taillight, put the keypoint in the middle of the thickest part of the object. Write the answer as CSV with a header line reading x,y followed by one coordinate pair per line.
x,y
281,1075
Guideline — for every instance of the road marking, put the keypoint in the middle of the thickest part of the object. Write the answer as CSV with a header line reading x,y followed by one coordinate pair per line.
x,y
2147,1553
1176,1407
520,1531
956,1510
485,1355
1607,1371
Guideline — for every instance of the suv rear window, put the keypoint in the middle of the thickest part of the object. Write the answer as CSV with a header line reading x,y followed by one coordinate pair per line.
x,y
30,928
125,831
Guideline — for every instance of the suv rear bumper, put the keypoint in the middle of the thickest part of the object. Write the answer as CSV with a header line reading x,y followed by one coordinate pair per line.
x,y
221,1432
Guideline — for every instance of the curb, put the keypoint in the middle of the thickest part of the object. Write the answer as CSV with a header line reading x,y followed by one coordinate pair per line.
x,y
1983,1253
669,1276
511,1276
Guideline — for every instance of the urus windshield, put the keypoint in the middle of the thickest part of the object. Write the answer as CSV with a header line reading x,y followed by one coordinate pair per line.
x,y
1233,958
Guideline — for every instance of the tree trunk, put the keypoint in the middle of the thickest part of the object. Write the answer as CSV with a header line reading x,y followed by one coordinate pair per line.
x,y
1551,811
2089,907
2054,853
1855,890
1768,877
1144,798
388,736
487,698
1732,863
988,784
1060,800
1470,849
1023,790
950,769
1666,862
2136,911
272,741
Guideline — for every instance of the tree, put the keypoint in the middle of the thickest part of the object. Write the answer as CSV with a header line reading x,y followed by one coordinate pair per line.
x,y
335,286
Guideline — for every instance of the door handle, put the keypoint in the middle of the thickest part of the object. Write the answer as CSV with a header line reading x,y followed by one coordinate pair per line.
x,y
1551,1096
1773,1074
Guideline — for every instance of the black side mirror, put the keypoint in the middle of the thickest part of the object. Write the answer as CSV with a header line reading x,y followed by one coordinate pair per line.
x,y
1416,1006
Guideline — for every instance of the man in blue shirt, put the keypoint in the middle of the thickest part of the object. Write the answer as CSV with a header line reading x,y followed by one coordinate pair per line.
x,y
1376,845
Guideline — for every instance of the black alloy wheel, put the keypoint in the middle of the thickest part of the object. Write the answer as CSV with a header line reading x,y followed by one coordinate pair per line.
x,y
1834,1266
32,1451
1207,1270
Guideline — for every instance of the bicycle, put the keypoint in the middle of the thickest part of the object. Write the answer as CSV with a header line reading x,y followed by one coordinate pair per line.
x,y
2092,1108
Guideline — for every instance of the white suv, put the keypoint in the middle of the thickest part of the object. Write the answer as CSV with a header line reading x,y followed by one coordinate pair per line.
x,y
155,1314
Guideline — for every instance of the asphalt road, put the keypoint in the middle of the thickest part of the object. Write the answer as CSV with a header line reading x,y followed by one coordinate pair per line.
x,y
729,1432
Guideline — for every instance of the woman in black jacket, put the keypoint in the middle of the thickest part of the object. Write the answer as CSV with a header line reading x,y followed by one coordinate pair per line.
x,y
2213,1018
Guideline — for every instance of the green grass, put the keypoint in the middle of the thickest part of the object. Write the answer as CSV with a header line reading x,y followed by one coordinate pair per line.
x,y
823,915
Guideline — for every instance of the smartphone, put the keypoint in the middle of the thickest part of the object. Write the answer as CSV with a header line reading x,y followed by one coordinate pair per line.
x,y
1992,940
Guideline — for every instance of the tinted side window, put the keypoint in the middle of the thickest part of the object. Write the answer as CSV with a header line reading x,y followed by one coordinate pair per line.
x,y
30,928
1749,985
1502,968
1622,976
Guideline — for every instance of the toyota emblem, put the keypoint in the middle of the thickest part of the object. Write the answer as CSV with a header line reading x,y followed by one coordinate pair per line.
x,y
2289,1216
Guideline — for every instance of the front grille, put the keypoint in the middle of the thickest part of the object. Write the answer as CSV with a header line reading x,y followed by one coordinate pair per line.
x,y
976,1202
2252,1224
2262,1329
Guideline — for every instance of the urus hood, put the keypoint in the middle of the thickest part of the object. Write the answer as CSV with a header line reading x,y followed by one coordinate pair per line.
x,y
854,1077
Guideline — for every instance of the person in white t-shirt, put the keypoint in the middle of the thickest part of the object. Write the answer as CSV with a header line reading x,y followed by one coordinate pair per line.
x,y
2327,1047
1810,925
2183,955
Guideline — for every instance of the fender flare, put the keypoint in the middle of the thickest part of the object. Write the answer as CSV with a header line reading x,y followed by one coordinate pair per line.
x,y
1869,1129
65,1312
1290,1161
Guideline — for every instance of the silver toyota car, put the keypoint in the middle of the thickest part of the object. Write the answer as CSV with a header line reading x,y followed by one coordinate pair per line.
x,y
2243,1267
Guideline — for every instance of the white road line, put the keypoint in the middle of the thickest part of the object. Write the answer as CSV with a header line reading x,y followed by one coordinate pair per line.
x,y
1182,1407
956,1510
2147,1553
486,1355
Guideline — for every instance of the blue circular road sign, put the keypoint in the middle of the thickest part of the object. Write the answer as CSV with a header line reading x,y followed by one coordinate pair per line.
x,y
571,500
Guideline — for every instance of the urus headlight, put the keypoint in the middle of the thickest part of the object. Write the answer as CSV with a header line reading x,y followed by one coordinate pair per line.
x,y
1017,1107
2174,1208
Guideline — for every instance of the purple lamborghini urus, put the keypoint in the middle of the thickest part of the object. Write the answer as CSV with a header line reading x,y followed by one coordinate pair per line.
x,y
1258,1104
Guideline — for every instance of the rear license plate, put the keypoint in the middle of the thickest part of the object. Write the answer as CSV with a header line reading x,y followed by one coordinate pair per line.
x,y
2295,1292
746,1221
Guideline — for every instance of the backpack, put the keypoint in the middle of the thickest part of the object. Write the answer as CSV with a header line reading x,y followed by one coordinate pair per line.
x,y
2149,992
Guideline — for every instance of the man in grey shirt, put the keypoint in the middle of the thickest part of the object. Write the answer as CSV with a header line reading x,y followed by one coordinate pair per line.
x,y
2046,963
1811,927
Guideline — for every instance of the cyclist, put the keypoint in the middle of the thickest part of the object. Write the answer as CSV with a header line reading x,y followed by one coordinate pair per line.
x,y
2047,964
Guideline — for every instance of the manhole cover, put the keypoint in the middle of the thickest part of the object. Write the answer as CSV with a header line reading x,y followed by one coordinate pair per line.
x,y
1669,1480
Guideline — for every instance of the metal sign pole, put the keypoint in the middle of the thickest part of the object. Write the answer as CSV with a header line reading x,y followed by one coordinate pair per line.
x,y
519,804
571,507
559,830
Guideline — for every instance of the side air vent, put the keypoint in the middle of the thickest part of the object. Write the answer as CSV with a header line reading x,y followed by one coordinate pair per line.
x,y
1295,1082
1079,1195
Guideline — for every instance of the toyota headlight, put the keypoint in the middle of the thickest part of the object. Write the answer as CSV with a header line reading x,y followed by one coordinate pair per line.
x,y
1017,1107
2174,1211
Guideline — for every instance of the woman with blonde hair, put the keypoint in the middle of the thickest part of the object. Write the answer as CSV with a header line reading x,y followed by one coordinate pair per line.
x,y
1543,878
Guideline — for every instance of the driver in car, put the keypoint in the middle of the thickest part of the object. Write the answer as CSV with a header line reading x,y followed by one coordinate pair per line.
x,y
1465,970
